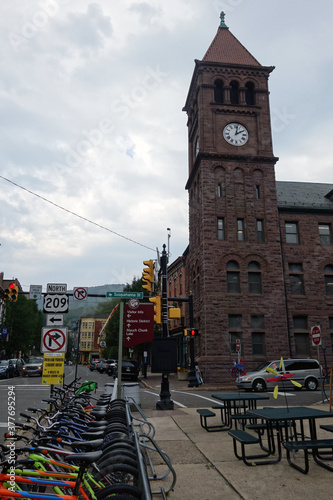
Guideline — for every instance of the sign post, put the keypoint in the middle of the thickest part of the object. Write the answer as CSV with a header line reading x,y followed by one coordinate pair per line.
x,y
316,341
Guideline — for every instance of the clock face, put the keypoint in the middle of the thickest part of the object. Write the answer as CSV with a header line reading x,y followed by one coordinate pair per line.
x,y
235,134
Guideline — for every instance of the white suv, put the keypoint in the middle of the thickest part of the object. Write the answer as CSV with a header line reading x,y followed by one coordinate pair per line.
x,y
307,372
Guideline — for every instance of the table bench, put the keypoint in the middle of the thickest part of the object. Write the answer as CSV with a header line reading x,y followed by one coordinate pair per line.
x,y
204,414
313,445
245,438
328,428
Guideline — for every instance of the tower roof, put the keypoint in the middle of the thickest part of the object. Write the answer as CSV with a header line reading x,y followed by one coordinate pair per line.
x,y
225,48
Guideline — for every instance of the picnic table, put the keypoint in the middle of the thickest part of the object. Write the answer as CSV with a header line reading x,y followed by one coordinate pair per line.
x,y
237,404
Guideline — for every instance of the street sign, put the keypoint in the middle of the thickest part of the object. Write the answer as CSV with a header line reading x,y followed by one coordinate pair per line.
x,y
54,340
56,288
102,343
4,332
238,345
53,368
124,295
80,293
138,324
35,292
54,320
55,303
316,335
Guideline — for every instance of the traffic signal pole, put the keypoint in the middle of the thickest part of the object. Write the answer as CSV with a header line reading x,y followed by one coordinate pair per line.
x,y
165,402
192,379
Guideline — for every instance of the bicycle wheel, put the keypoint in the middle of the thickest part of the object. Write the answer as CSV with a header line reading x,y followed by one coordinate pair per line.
x,y
121,491
117,458
118,473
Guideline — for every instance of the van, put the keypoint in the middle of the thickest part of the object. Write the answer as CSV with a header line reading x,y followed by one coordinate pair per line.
x,y
307,372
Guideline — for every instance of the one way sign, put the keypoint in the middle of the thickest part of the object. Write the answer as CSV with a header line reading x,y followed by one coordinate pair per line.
x,y
54,320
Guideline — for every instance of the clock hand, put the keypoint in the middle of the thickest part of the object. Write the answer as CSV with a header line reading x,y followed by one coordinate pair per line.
x,y
239,131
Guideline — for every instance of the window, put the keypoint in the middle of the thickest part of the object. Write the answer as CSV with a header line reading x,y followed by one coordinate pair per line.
x,y
330,319
220,228
325,235
254,277
260,231
219,190
296,279
249,93
218,91
302,344
235,326
258,344
197,146
240,230
180,283
258,192
329,280
234,87
233,278
292,233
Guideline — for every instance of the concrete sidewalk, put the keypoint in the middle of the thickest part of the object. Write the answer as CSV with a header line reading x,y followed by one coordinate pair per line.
x,y
207,468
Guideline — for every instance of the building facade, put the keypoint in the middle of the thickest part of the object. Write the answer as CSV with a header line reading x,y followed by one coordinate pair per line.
x,y
89,332
253,242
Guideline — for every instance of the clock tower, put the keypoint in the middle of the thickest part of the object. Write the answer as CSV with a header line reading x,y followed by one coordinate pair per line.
x,y
234,266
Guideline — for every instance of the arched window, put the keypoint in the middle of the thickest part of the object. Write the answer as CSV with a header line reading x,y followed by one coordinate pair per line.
x,y
329,280
234,92
218,91
233,277
249,93
254,277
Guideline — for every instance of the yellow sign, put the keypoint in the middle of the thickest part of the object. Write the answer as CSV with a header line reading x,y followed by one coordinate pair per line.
x,y
53,368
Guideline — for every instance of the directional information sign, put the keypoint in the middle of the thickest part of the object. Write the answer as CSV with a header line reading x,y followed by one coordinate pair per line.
x,y
55,303
35,292
54,320
125,295
56,288
80,293
53,340
138,323
53,368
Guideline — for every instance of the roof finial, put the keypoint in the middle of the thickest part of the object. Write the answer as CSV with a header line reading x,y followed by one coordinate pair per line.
x,y
222,23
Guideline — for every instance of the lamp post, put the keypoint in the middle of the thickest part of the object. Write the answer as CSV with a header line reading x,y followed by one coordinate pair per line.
x,y
165,402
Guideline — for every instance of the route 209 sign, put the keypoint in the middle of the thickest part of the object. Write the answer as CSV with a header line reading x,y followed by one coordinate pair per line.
x,y
55,303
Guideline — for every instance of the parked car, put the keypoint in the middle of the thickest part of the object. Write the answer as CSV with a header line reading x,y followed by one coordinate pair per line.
x,y
112,367
34,366
7,369
18,364
103,365
93,365
307,372
129,369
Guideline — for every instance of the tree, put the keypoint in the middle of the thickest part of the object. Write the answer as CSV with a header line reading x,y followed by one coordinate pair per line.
x,y
24,322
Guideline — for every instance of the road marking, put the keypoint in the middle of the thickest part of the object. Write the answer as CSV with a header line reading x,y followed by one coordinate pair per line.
x,y
175,402
198,396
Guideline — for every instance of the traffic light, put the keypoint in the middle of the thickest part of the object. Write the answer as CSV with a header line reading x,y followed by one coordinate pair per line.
x,y
7,294
13,292
148,274
174,313
157,308
191,332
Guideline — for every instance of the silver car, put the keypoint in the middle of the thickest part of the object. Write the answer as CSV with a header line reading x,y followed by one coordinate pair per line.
x,y
34,366
307,372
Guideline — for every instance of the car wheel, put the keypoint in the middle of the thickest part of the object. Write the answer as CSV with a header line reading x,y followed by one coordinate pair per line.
x,y
259,385
311,384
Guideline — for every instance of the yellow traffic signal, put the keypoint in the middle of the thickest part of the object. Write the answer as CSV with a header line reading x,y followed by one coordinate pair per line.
x,y
157,308
148,274
174,313
13,292
7,294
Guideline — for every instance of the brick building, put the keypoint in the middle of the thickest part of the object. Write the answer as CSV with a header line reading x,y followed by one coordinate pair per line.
x,y
89,332
260,257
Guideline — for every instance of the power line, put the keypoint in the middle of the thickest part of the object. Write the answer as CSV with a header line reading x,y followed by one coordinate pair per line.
x,y
75,214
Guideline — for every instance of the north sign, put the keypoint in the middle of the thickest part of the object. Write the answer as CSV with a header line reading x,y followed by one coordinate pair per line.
x,y
55,303
56,288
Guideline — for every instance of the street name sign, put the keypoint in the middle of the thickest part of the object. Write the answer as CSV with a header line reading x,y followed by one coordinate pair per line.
x,y
35,292
124,295
138,324
55,303
56,288
53,339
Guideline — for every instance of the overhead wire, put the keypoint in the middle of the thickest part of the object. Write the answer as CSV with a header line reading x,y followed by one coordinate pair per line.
x,y
75,214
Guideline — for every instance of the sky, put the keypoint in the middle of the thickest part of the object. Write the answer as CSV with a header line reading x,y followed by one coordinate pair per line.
x,y
93,139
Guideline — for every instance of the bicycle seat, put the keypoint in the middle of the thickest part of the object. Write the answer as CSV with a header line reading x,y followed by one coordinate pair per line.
x,y
84,458
95,443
